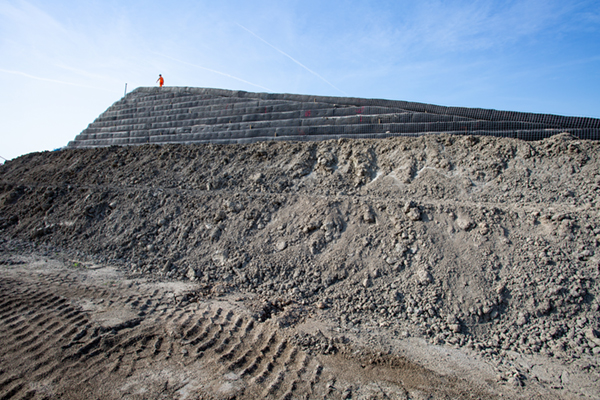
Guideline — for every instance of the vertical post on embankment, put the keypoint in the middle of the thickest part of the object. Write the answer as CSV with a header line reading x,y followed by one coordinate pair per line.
x,y
125,94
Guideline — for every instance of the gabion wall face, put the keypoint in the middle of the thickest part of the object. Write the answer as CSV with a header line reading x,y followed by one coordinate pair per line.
x,y
203,115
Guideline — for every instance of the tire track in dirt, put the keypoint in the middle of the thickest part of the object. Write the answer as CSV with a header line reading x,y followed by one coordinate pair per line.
x,y
51,343
79,334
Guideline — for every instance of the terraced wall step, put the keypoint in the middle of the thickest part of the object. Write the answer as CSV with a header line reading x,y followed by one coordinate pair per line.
x,y
204,115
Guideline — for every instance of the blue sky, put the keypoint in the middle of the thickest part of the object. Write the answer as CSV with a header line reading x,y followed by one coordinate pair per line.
x,y
64,62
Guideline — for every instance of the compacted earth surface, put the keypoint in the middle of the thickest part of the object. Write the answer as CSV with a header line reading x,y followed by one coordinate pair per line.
x,y
433,267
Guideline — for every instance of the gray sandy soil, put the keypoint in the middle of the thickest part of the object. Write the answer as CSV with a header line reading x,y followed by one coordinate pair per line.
x,y
431,267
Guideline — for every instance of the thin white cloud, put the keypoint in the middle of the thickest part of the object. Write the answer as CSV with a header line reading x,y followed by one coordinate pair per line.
x,y
30,31
214,71
293,59
86,74
37,45
40,78
437,28
31,15
449,26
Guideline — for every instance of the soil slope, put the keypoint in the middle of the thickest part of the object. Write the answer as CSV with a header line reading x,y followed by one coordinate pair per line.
x,y
473,257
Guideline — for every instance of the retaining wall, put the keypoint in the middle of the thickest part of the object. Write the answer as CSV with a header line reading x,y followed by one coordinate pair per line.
x,y
205,115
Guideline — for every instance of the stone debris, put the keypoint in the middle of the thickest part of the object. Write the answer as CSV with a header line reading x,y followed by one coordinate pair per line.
x,y
491,245
464,222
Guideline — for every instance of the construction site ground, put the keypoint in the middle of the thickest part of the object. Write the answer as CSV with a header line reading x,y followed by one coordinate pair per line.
x,y
433,267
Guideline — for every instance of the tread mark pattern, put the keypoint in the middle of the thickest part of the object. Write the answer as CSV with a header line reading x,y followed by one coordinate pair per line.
x,y
49,340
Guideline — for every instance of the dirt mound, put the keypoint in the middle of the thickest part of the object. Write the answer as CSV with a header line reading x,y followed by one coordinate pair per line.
x,y
89,332
485,245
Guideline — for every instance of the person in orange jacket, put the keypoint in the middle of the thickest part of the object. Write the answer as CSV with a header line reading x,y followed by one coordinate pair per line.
x,y
160,80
